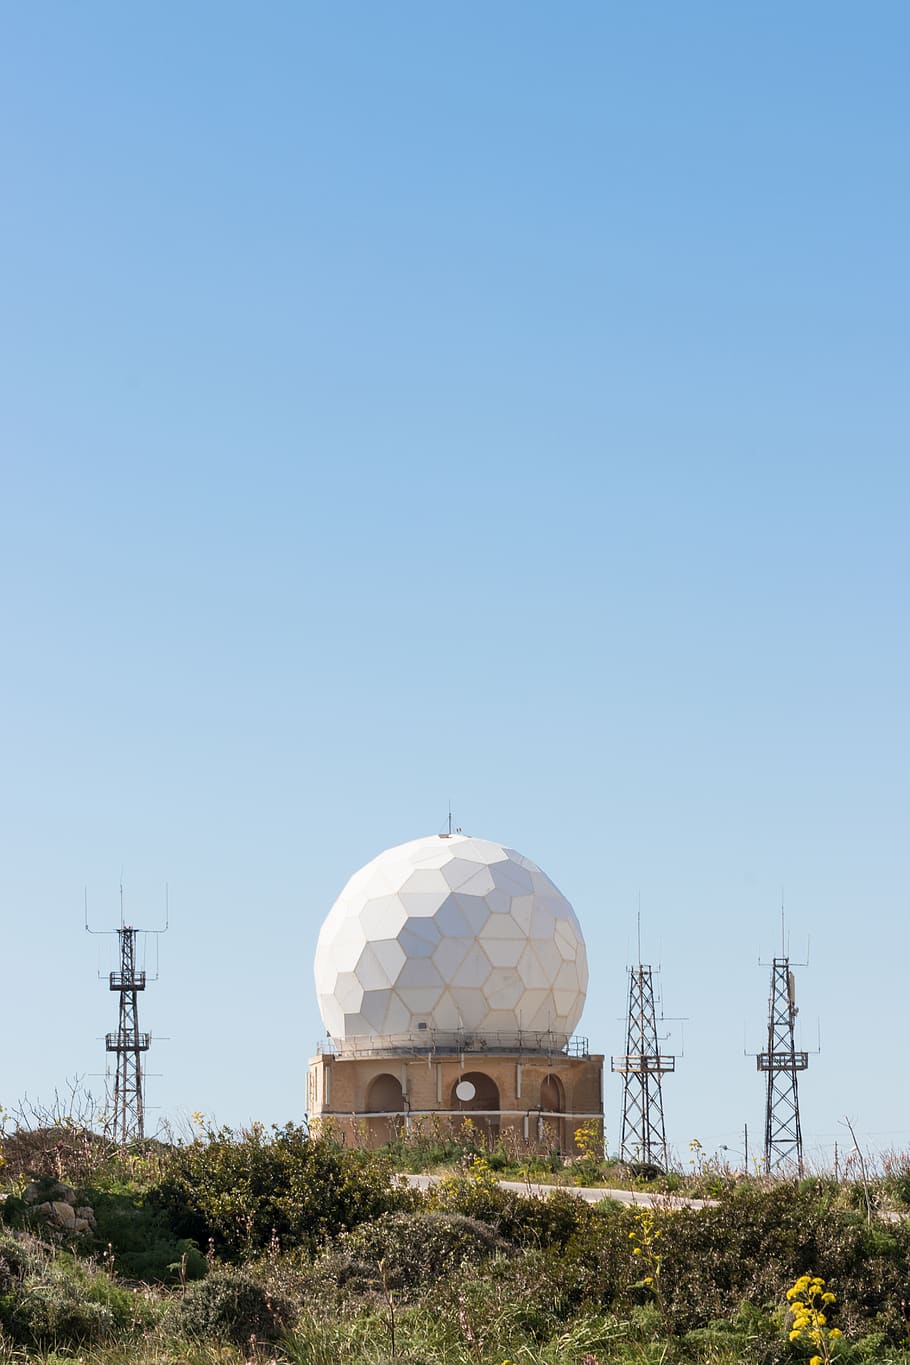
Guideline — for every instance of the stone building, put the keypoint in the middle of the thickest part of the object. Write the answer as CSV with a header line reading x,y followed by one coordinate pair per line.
x,y
451,974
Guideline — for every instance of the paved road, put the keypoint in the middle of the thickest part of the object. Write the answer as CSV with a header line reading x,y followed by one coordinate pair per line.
x,y
592,1194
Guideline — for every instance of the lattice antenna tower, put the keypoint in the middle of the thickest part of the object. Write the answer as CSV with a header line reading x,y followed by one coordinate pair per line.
x,y
127,1120
781,1063
643,1137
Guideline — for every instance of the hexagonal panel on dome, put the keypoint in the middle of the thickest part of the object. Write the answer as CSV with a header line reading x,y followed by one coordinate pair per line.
x,y
391,955
449,954
531,970
504,952
457,871
499,902
548,955
452,922
456,934
370,972
446,1015
418,971
381,917
423,904
348,991
475,910
481,884
509,877
504,989
538,1008
419,937
427,881
474,968
522,912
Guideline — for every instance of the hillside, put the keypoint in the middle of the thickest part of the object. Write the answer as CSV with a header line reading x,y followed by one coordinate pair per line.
x,y
279,1245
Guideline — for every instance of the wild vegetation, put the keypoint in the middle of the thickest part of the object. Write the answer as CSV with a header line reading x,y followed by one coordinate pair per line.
x,y
285,1245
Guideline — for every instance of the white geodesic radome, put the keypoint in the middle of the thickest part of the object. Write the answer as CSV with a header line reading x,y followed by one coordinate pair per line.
x,y
450,934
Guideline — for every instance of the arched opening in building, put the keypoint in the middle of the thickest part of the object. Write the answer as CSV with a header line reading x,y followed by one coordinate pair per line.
x,y
551,1129
482,1106
386,1100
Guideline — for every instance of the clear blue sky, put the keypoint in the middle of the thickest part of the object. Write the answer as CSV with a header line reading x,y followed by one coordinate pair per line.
x,y
500,402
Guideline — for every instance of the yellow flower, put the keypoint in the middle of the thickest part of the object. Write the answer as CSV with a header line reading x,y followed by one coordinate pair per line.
x,y
816,1360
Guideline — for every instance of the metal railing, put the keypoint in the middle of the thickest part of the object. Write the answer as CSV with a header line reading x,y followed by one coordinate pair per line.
x,y
451,1042
412,1114
128,1042
782,1061
127,981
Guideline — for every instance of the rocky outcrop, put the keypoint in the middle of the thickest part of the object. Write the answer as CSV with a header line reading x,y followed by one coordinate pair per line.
x,y
41,1191
56,1203
85,1219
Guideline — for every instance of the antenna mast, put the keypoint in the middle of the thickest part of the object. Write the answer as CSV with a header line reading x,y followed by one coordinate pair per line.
x,y
127,1123
643,1136
781,1063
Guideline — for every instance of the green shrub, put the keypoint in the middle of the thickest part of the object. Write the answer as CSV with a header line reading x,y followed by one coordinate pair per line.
x,y
19,1256
55,1314
527,1294
404,1251
422,1150
546,1220
595,1266
231,1305
66,1148
900,1186
755,1243
14,1211
480,1198
750,1337
62,1303
142,1239
645,1172
550,1220
241,1190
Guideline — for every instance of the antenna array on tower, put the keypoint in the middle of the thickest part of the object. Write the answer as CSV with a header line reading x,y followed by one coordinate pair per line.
x,y
127,1121
643,1137
781,1063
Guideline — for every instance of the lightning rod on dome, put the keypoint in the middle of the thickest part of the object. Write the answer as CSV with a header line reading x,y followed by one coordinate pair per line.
x,y
452,827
